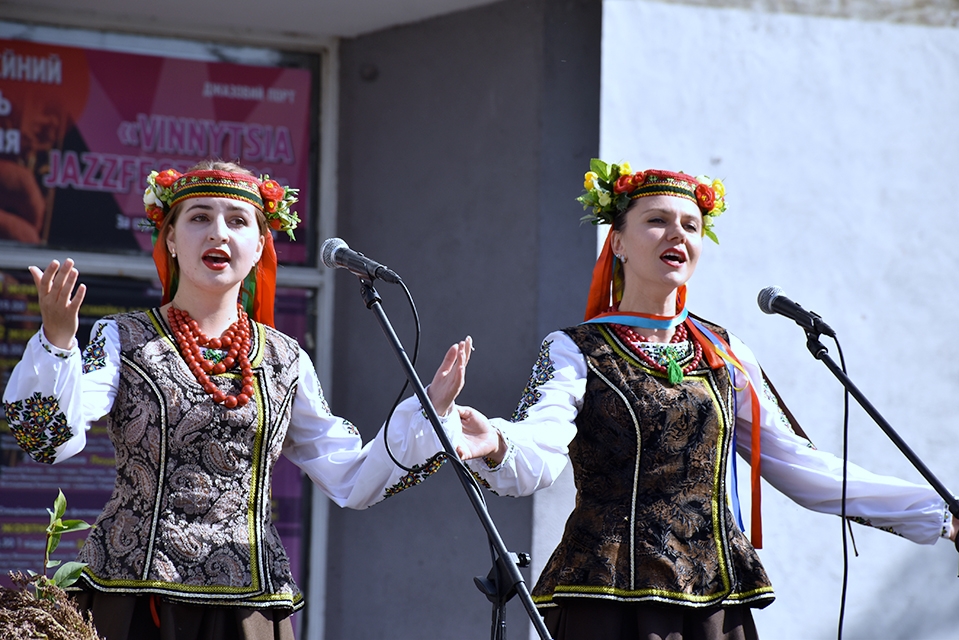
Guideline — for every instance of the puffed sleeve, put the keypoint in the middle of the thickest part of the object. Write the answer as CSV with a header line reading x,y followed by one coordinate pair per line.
x,y
53,395
330,450
539,433
813,478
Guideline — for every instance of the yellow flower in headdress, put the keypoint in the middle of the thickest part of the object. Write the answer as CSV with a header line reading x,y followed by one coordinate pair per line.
x,y
590,180
719,188
625,169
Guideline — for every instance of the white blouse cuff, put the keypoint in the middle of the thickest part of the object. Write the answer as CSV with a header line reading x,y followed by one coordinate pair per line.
x,y
55,350
491,464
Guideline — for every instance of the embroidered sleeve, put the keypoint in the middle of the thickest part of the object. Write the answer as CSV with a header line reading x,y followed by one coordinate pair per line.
x,y
813,478
38,425
330,450
53,394
540,430
419,473
94,356
542,373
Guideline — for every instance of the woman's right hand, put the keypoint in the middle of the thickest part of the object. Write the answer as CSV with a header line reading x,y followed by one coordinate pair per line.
x,y
450,376
59,305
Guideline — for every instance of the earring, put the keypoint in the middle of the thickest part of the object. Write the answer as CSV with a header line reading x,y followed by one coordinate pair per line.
x,y
173,254
621,258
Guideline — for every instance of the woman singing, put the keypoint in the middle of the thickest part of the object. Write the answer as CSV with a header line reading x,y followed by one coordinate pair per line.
x,y
649,403
203,395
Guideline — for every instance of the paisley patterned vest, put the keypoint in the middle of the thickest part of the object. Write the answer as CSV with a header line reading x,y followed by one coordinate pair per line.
x,y
651,521
190,515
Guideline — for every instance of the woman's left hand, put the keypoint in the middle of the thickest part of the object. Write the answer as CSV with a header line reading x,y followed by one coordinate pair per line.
x,y
450,377
480,438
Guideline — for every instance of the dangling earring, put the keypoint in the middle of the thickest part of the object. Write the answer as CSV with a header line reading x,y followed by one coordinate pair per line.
x,y
621,258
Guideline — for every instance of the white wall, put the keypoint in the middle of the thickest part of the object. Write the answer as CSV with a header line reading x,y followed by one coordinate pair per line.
x,y
839,146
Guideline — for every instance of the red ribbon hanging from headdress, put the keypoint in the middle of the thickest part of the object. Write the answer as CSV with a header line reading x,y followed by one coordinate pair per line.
x,y
599,299
264,292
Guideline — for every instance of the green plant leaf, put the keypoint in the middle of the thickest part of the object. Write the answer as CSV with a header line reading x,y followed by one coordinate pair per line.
x,y
53,541
712,236
53,563
69,526
68,574
600,168
60,504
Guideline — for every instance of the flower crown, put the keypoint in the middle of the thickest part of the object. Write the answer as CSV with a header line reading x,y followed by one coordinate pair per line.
x,y
167,188
611,187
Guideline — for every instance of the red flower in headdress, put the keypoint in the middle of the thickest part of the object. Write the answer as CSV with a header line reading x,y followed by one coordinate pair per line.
x,y
627,183
166,178
705,197
155,214
271,190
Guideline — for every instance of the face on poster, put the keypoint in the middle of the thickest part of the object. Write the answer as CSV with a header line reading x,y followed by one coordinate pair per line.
x,y
80,130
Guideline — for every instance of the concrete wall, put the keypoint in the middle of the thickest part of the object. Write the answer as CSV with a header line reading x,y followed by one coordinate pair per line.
x,y
838,143
463,140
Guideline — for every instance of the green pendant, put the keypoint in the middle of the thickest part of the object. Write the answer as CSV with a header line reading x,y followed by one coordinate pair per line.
x,y
674,371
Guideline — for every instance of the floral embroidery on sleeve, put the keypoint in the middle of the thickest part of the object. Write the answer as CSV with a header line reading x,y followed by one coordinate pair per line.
x,y
94,357
38,426
868,523
350,427
783,420
542,373
482,482
419,473
53,351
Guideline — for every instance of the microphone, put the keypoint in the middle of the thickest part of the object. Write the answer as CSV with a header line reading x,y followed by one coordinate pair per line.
x,y
771,300
338,255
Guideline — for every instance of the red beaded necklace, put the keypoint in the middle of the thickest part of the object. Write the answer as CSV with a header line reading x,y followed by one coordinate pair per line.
x,y
236,339
665,363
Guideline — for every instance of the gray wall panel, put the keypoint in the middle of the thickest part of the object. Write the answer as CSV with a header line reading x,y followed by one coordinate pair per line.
x,y
463,141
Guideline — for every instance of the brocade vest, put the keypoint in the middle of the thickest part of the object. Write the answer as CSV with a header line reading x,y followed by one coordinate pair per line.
x,y
651,521
190,518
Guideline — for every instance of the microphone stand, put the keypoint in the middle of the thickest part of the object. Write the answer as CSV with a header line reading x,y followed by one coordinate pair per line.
x,y
819,352
504,579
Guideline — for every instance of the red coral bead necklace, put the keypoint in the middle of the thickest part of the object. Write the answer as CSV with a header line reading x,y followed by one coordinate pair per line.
x,y
632,338
236,339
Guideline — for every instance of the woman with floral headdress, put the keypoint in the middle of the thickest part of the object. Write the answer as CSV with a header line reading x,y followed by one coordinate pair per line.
x,y
203,395
648,403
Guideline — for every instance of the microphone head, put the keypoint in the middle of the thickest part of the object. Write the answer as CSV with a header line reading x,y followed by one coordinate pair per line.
x,y
329,248
766,297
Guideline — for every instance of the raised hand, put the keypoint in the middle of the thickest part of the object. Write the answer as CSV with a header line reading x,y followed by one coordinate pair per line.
x,y
451,376
480,438
59,304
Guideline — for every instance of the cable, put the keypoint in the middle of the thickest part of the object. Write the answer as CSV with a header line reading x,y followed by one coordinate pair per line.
x,y
842,520
406,384
386,427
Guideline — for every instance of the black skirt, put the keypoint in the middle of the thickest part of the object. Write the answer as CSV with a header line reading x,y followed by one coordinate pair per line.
x,y
586,619
149,617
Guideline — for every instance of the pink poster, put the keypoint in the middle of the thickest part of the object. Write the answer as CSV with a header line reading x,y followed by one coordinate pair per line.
x,y
80,129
